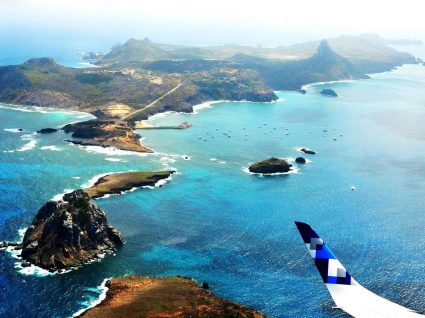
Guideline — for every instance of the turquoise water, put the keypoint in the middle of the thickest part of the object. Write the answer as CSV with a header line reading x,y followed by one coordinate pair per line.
x,y
217,223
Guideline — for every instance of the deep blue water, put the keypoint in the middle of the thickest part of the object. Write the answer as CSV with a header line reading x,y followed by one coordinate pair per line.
x,y
216,223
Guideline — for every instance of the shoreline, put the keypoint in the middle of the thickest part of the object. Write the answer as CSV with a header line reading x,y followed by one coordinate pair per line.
x,y
306,86
309,85
196,108
40,109
102,296
142,296
37,271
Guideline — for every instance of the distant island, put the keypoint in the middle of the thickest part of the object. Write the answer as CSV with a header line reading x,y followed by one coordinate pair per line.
x,y
140,78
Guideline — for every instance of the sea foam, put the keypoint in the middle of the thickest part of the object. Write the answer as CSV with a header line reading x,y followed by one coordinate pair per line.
x,y
102,289
51,148
12,130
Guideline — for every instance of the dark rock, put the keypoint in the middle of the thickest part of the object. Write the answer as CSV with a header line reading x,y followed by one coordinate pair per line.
x,y
205,285
329,92
25,264
302,91
92,129
100,114
47,130
68,233
300,160
19,129
307,151
105,133
271,165
12,244
91,56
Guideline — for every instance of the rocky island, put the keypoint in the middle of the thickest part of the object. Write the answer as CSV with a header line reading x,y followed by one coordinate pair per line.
x,y
328,92
308,151
119,182
47,130
300,160
138,296
69,233
271,165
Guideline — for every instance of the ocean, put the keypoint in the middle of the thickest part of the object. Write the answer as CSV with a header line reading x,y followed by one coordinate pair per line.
x,y
217,223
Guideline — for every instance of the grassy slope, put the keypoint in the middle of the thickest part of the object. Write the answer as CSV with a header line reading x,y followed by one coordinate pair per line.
x,y
119,182
137,296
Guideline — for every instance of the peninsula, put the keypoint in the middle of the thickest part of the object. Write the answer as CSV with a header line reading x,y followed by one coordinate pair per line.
x,y
138,296
105,133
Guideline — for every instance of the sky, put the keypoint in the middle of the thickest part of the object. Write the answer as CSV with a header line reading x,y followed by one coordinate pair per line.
x,y
103,23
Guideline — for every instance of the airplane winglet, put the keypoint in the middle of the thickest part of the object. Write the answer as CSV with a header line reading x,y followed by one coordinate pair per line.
x,y
347,294
330,269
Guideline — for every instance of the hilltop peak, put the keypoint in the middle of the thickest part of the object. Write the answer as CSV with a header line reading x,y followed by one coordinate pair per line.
x,y
41,61
134,41
135,50
324,50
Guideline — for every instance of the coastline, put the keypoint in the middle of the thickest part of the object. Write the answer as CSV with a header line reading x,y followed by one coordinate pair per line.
x,y
309,85
155,159
102,296
41,109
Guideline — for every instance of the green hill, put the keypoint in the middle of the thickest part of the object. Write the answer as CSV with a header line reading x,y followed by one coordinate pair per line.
x,y
135,51
139,72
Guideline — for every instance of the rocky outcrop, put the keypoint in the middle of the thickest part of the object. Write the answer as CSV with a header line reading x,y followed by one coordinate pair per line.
x,y
308,151
328,92
300,160
271,165
47,130
69,233
138,296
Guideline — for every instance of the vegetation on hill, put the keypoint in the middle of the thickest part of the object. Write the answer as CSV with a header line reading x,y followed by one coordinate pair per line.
x,y
138,72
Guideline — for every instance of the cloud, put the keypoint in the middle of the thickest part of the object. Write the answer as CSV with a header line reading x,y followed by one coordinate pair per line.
x,y
197,18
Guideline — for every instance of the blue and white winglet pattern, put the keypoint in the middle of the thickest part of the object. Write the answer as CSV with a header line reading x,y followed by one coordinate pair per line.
x,y
347,294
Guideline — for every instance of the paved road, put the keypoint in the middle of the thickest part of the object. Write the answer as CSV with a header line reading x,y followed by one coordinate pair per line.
x,y
150,105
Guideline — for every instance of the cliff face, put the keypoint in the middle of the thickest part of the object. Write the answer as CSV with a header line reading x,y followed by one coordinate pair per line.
x,y
325,65
68,233
333,65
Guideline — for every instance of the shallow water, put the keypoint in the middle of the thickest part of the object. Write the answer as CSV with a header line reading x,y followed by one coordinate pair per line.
x,y
219,224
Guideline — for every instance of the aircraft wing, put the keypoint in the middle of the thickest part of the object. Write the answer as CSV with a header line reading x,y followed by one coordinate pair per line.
x,y
347,294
